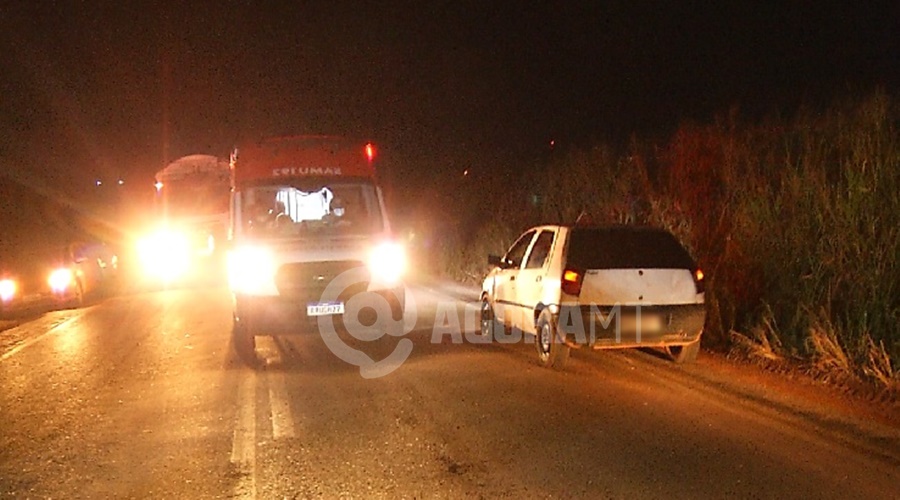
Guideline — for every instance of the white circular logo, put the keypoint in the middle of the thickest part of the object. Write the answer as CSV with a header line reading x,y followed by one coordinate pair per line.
x,y
384,324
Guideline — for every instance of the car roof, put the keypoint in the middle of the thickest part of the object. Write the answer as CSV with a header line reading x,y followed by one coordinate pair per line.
x,y
618,228
624,228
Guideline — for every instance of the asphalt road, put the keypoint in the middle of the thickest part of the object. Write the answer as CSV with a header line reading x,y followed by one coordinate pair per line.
x,y
140,396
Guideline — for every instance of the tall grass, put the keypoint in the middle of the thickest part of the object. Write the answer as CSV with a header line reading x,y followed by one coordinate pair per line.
x,y
796,223
822,230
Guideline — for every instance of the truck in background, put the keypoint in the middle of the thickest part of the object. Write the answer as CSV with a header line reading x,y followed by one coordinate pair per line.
x,y
310,240
190,221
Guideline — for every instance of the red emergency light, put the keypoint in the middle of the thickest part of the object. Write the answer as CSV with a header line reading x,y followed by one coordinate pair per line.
x,y
370,151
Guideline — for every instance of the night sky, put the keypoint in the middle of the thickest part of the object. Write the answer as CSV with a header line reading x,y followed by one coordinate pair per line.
x,y
107,89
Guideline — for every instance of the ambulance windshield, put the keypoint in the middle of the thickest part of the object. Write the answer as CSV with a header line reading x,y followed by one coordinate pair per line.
x,y
293,210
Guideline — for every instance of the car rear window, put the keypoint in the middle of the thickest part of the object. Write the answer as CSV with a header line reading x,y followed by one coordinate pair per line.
x,y
626,248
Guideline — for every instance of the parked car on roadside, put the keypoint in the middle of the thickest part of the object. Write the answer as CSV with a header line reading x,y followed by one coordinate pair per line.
x,y
602,287
81,270
63,276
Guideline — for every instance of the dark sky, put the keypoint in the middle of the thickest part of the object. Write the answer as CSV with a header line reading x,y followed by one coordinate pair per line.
x,y
105,89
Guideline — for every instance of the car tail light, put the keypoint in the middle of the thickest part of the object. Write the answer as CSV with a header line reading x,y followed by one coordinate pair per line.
x,y
370,151
699,281
571,281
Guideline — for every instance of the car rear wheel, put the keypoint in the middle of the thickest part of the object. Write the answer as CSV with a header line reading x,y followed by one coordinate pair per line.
x,y
684,353
244,342
551,348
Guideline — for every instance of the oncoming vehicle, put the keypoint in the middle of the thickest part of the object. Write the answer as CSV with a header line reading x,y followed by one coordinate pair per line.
x,y
305,211
189,223
82,270
66,276
601,287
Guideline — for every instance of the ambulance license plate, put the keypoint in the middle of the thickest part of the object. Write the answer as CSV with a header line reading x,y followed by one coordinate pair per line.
x,y
324,308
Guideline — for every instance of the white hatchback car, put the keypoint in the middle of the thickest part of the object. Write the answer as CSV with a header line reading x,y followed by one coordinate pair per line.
x,y
603,287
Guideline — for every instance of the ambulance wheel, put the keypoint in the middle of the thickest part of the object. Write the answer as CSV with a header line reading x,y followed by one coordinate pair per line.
x,y
244,342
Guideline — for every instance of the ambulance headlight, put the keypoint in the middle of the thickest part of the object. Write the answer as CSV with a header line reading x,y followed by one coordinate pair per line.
x,y
251,270
387,263
165,254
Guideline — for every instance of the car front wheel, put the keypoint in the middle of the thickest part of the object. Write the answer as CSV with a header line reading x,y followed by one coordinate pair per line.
x,y
551,348
488,320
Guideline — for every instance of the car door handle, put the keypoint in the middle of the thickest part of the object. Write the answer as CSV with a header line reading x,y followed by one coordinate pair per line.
x,y
512,278
538,279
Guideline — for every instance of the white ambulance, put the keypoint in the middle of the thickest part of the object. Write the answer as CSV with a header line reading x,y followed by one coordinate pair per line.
x,y
309,237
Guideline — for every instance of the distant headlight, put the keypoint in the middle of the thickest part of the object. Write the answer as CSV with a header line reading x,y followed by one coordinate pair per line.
x,y
7,290
165,254
251,270
61,279
387,263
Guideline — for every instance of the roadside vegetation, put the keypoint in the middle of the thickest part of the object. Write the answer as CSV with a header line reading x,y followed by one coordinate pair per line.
x,y
795,222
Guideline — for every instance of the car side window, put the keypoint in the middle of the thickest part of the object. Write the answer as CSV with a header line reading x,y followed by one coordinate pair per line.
x,y
516,253
540,250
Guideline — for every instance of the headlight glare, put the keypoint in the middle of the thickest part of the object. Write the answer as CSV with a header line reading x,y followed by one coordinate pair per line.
x,y
387,263
165,254
60,279
7,289
251,270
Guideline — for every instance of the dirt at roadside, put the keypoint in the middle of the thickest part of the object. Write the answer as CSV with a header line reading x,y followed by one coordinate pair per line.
x,y
831,395
834,395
